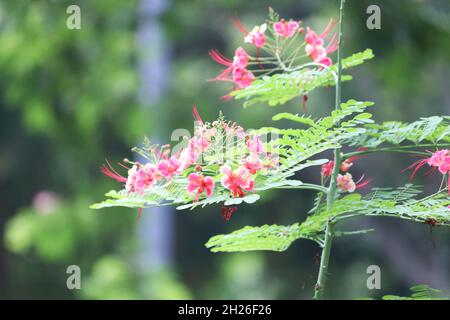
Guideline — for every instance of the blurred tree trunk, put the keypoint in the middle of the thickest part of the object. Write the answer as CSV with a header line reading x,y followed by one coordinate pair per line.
x,y
156,225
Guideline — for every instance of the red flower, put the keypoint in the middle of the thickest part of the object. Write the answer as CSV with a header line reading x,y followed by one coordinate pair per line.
x,y
327,169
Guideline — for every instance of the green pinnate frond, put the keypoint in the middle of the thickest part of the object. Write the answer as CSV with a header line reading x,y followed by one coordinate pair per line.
x,y
420,292
400,203
267,237
432,130
298,145
346,109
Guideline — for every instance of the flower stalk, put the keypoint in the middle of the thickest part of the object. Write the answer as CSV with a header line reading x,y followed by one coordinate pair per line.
x,y
332,190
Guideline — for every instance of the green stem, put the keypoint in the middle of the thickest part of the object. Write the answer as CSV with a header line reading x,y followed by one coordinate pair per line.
x,y
332,190
324,260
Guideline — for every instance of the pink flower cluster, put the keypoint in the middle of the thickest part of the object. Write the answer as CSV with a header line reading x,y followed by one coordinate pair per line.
x,y
237,178
241,179
315,45
237,70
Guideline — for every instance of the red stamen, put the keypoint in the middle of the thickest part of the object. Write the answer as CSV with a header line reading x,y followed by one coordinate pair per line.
x,y
110,172
416,166
354,158
123,166
329,27
219,58
196,114
239,25
364,184
333,44
139,215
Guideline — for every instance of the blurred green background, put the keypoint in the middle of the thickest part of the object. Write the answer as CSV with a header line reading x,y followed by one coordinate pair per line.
x,y
71,98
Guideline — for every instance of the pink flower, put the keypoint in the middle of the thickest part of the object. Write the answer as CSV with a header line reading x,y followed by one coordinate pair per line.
x,y
199,184
141,177
233,130
241,58
255,145
190,155
242,78
325,61
252,163
167,168
345,183
236,181
286,29
187,157
346,165
315,52
440,159
236,71
445,166
315,45
200,143
327,169
256,36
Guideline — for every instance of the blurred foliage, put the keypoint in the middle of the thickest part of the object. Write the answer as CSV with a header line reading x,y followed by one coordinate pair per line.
x,y
68,99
